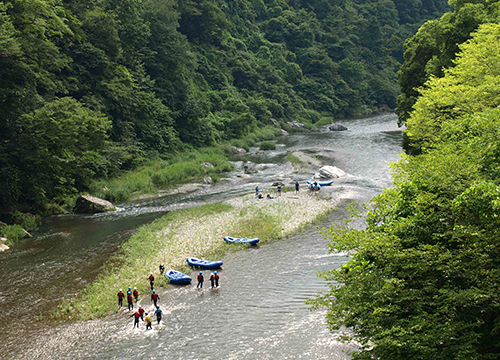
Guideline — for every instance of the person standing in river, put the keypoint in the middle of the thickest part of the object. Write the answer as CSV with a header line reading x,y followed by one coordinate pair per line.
x,y
212,280
200,280
155,298
158,314
216,278
136,316
296,187
151,279
148,322
141,311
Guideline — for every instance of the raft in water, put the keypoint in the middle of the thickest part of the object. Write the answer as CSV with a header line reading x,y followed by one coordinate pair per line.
x,y
233,240
203,264
178,278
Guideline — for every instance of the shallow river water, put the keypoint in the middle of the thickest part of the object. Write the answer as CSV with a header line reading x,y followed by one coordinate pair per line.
x,y
257,313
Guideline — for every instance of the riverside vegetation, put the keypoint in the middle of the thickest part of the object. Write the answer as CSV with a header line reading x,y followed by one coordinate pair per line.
x,y
92,89
423,279
197,232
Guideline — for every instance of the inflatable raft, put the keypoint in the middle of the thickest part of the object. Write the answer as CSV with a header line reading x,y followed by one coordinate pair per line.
x,y
203,264
230,239
178,278
321,183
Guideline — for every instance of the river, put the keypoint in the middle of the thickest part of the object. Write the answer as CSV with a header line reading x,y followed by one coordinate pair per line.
x,y
259,310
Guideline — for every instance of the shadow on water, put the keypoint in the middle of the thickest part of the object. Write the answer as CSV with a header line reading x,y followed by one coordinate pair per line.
x,y
258,312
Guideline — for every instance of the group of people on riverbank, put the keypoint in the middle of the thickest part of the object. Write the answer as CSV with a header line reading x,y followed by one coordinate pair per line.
x,y
259,195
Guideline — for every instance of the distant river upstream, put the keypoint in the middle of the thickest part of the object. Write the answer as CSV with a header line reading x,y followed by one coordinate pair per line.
x,y
259,310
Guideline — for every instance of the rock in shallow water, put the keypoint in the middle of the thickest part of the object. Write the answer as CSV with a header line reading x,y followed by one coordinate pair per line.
x,y
87,204
337,127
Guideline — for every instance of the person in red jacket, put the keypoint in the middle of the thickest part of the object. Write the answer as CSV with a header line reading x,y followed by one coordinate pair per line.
x,y
212,280
155,298
216,278
136,294
141,312
130,300
136,316
151,279
121,295
200,280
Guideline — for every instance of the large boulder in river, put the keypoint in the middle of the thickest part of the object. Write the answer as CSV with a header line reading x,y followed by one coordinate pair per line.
x,y
297,125
238,150
87,204
329,172
337,127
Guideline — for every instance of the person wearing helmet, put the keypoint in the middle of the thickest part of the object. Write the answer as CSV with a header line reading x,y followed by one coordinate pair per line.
x,y
136,316
148,322
257,190
200,280
279,189
129,291
130,300
141,311
155,298
158,314
216,278
121,295
151,279
212,280
136,294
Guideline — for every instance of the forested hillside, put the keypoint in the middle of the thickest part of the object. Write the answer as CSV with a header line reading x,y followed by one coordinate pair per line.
x,y
423,279
90,88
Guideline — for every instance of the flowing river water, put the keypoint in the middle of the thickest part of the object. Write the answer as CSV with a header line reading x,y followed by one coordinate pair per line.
x,y
258,312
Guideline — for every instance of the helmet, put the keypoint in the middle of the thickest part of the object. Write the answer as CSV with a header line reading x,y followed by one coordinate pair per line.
x,y
215,272
120,289
129,287
154,291
201,272
135,288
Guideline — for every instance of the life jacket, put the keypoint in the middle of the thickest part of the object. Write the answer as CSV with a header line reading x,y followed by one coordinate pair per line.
x,y
130,299
137,315
216,276
136,293
200,277
154,296
141,310
212,277
121,295
148,319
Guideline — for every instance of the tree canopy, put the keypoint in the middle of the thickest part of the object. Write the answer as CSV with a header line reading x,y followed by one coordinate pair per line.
x,y
423,279
171,74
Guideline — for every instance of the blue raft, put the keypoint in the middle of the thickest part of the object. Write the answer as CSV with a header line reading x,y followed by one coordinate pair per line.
x,y
321,183
178,278
203,264
233,240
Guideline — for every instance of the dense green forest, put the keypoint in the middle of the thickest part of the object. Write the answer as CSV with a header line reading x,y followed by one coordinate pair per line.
x,y
423,279
92,88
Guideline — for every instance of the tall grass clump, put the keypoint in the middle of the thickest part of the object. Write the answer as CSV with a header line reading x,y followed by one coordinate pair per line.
x,y
265,145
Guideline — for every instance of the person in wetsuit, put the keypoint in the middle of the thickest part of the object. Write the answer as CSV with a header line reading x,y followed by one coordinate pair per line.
x,y
162,268
136,294
279,189
296,187
200,280
130,302
151,279
212,280
155,298
121,295
136,316
141,311
148,322
216,278
158,313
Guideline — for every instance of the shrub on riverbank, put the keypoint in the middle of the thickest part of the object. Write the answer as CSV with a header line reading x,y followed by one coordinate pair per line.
x,y
267,146
197,232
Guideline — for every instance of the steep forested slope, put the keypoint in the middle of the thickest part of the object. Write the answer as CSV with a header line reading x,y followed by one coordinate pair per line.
x,y
92,87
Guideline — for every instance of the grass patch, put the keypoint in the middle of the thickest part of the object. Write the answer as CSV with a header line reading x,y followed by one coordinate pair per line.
x,y
293,159
267,145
